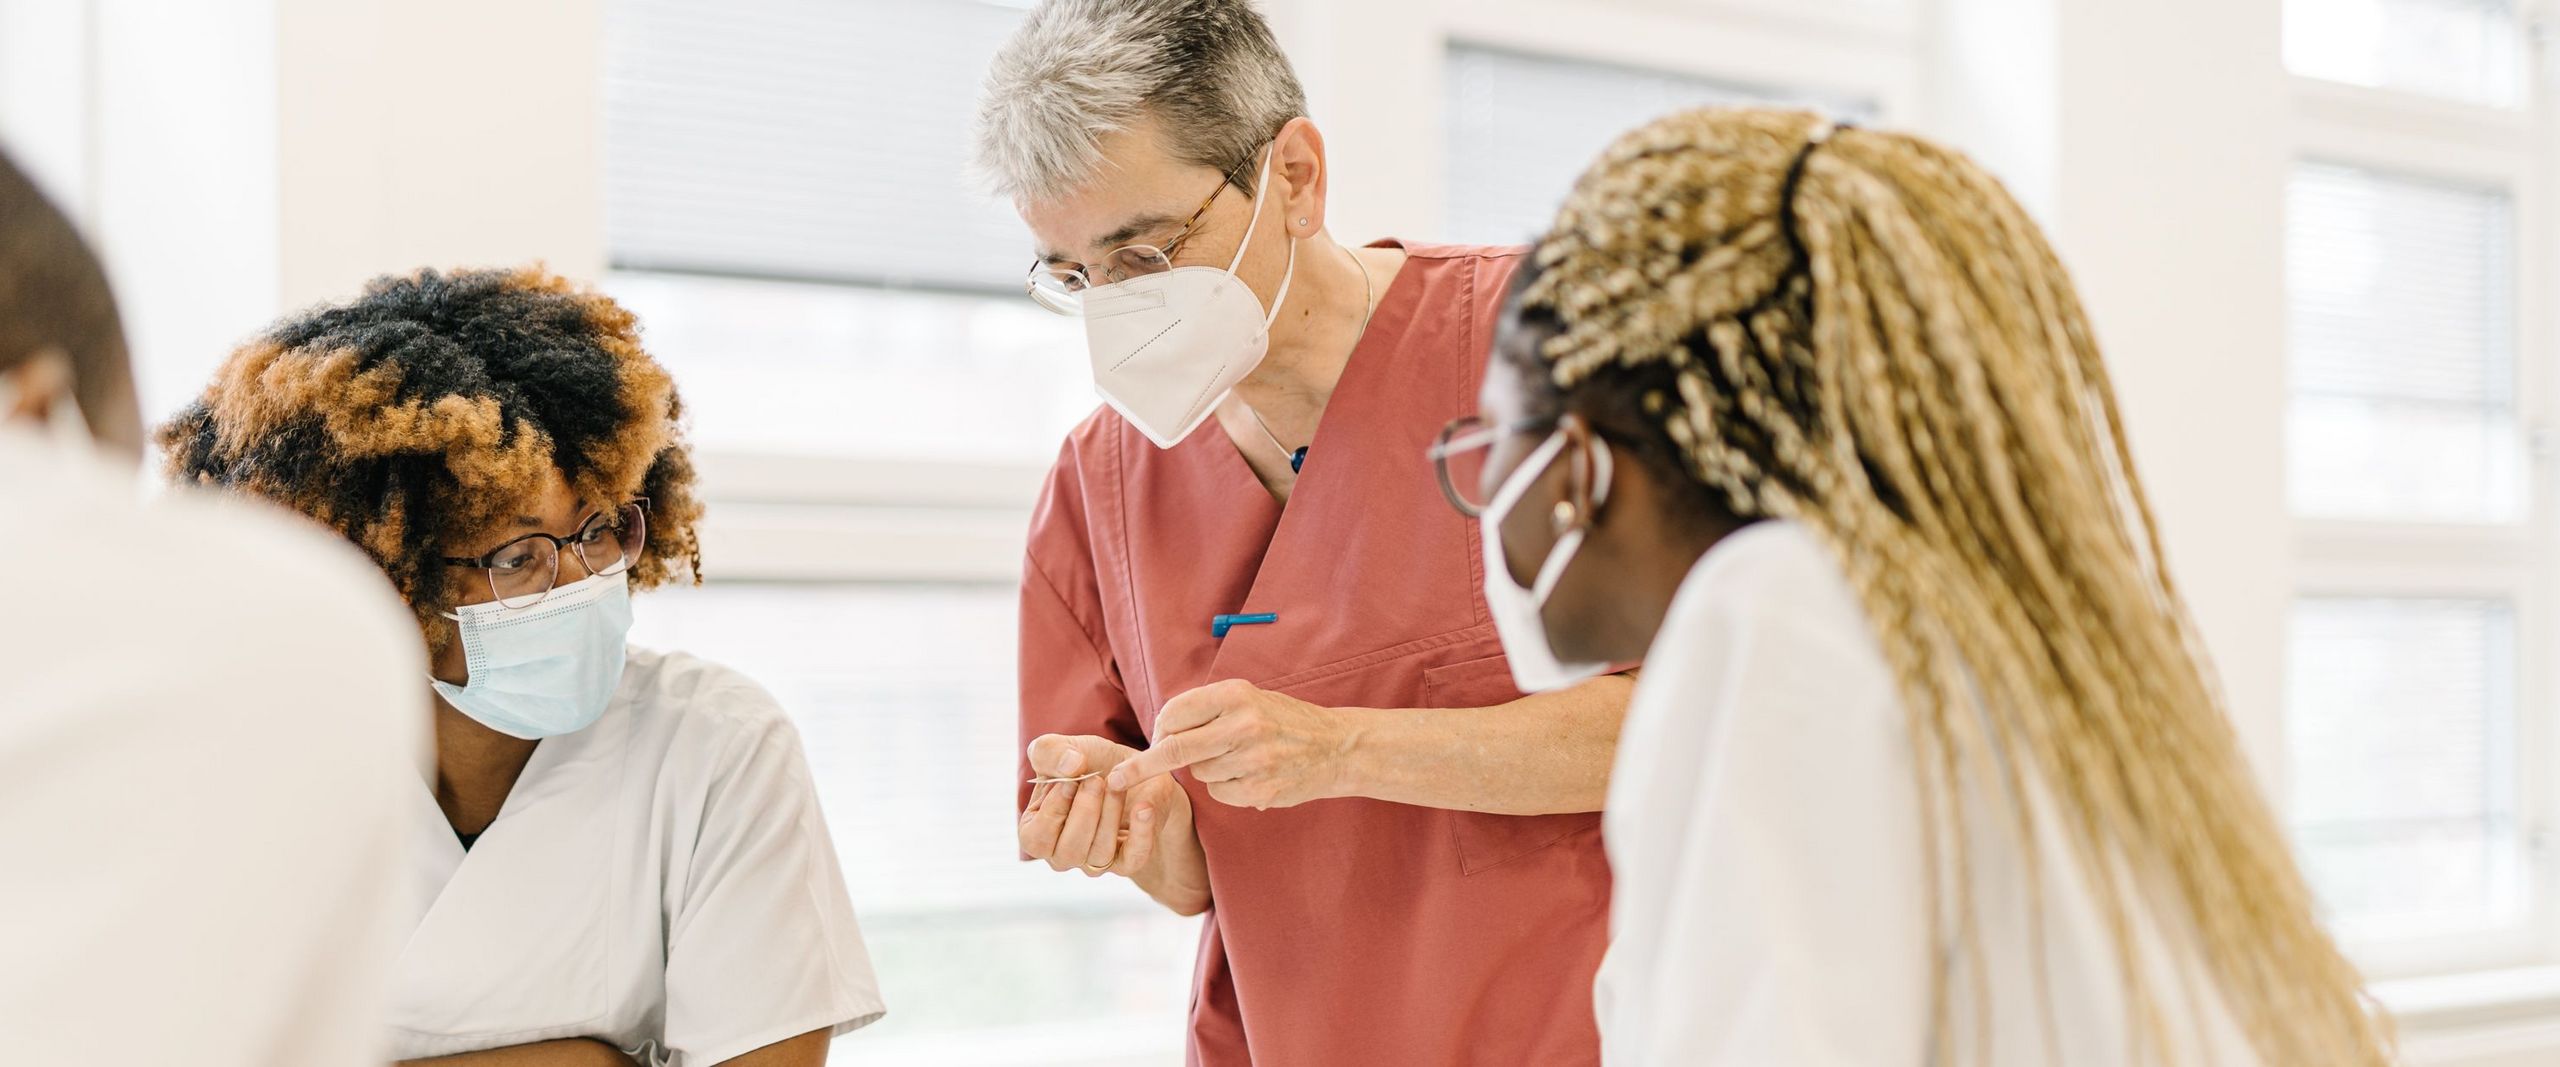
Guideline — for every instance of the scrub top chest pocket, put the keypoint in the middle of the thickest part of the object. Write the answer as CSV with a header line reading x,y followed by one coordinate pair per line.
x,y
1486,841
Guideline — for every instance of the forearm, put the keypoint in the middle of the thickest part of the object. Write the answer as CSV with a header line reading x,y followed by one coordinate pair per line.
x,y
575,1052
1538,755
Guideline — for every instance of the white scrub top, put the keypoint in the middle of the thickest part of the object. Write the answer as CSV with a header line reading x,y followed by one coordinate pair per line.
x,y
208,734
1771,899
661,880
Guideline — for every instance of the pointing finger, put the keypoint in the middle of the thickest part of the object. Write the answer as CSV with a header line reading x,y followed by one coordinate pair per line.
x,y
1170,754
1199,707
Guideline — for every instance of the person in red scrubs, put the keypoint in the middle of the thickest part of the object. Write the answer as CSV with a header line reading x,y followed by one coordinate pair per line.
x,y
1258,675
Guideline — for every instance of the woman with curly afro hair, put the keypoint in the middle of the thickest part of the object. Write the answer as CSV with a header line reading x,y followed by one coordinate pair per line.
x,y
620,857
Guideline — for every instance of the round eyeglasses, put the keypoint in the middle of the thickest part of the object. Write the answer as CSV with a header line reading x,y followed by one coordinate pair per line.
x,y
1060,287
522,572
1461,451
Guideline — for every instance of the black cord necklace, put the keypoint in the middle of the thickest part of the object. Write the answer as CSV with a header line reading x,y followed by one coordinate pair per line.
x,y
1368,294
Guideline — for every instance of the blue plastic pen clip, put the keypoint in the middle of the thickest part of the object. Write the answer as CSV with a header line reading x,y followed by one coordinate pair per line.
x,y
1220,624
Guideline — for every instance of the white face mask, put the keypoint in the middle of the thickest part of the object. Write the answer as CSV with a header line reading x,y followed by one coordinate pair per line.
x,y
1168,347
545,670
1518,614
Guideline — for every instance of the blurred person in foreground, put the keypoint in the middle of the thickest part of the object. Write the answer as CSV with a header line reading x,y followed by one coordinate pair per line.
x,y
204,720
1926,765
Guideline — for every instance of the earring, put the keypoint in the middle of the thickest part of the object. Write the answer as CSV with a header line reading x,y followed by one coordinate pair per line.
x,y
1564,515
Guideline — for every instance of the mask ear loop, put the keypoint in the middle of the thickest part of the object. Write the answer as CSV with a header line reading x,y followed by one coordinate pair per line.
x,y
1507,495
1262,185
1569,541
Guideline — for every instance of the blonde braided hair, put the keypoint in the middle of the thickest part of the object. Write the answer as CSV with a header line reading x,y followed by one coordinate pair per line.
x,y
1867,335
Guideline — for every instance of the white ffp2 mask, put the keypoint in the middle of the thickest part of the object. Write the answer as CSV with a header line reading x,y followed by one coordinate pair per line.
x,y
1168,347
1518,613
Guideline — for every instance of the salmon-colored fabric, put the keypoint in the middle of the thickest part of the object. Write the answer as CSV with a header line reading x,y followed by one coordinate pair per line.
x,y
1343,932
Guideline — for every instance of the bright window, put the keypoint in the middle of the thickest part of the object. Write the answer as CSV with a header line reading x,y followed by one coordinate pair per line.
x,y
2467,50
1521,127
904,698
2420,358
2402,318
775,367
791,214
2402,740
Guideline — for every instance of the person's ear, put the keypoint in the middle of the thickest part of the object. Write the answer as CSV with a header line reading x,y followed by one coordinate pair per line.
x,y
1299,177
1580,502
35,384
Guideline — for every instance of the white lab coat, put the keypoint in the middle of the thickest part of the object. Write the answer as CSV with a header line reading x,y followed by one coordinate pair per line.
x,y
661,880
207,722
1770,904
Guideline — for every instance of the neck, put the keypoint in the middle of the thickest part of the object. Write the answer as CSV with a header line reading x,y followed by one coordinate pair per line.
x,y
476,767
1311,340
1654,576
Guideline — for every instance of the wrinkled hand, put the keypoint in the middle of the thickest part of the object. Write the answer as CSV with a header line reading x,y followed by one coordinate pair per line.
x,y
1251,747
1144,833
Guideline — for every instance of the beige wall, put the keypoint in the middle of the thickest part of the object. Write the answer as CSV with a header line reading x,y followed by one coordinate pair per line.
x,y
412,135
317,143
2168,190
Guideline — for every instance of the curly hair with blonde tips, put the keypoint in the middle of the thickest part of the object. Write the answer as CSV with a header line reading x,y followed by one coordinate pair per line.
x,y
428,409
1867,335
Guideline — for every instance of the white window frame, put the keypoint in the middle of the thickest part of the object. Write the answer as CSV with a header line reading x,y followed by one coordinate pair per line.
x,y
781,518
2511,149
1834,48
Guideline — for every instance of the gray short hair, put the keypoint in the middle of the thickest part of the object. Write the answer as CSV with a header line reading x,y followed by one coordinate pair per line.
x,y
1208,71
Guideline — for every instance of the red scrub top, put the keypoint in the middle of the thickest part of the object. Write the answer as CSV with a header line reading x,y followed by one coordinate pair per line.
x,y
1351,931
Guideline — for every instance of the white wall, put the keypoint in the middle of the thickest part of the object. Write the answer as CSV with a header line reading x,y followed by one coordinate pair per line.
x,y
2148,139
459,133
235,159
182,179
2168,184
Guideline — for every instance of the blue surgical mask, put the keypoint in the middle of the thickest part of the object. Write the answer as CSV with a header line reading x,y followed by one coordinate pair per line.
x,y
548,669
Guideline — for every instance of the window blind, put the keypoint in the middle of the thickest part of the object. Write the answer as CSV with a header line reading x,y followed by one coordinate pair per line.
x,y
810,139
2401,737
1522,127
2401,316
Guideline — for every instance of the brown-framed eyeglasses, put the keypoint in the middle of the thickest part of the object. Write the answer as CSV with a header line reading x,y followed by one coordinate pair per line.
x,y
1060,287
1459,454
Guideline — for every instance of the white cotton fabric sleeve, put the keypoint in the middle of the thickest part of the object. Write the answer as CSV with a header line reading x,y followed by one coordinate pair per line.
x,y
1766,906
209,717
764,945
